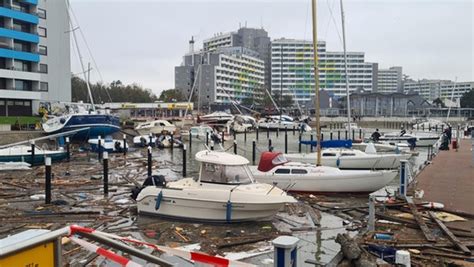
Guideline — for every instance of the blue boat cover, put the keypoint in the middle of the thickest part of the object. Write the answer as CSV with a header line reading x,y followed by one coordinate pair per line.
x,y
330,143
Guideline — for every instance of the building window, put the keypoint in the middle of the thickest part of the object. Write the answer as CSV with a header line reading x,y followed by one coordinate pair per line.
x,y
43,50
42,32
43,68
41,13
44,86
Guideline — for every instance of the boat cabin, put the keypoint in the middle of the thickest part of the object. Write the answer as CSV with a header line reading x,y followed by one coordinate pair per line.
x,y
223,168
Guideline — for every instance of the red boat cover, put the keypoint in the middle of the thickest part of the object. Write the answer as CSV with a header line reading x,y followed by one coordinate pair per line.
x,y
269,160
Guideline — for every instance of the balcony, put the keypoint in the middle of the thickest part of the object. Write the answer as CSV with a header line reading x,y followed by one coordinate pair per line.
x,y
27,56
19,14
19,35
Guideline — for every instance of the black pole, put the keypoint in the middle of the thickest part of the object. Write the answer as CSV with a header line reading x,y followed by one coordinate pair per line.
x,y
68,150
311,145
346,135
235,147
294,130
245,135
47,174
207,138
299,144
150,141
184,160
268,132
353,134
172,142
190,139
149,161
106,173
330,135
32,153
322,136
256,132
212,145
360,133
254,151
235,134
269,144
99,147
286,142
222,139
278,131
125,145
338,134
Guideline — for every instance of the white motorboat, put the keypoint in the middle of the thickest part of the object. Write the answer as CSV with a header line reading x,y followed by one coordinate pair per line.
x,y
274,123
14,166
429,124
350,159
303,177
224,191
197,132
155,127
22,153
217,117
108,144
380,147
420,139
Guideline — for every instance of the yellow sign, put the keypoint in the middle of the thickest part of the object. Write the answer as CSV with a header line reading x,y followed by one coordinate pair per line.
x,y
129,106
38,256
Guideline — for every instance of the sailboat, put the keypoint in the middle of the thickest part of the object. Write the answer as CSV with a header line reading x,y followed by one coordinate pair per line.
x,y
274,168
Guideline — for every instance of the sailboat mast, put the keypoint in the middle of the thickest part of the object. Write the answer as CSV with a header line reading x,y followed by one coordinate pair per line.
x,y
316,82
345,69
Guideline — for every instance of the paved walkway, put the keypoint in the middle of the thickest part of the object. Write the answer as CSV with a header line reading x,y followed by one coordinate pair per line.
x,y
450,179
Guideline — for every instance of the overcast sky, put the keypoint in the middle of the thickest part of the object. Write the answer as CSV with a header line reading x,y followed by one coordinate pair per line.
x,y
142,41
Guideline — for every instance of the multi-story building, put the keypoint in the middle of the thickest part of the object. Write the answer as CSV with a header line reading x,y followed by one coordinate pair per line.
x,y
389,80
250,38
433,89
226,74
34,55
292,69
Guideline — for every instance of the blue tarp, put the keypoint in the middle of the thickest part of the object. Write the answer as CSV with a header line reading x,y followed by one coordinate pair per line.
x,y
330,143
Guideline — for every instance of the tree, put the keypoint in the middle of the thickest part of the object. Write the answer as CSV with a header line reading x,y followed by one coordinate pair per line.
x,y
439,103
467,99
172,95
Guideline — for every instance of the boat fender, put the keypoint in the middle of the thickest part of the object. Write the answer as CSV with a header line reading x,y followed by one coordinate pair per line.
x,y
158,200
338,162
228,211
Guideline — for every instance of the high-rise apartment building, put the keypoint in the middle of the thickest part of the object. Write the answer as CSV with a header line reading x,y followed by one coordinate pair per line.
x,y
292,69
226,74
34,55
389,80
433,89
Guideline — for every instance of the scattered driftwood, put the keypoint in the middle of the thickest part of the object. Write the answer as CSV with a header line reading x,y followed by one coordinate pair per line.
x,y
352,252
449,234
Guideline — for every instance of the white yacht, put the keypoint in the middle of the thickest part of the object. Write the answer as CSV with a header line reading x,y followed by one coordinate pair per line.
x,y
155,127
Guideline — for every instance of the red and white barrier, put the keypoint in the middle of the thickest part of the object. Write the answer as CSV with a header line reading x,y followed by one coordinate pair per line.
x,y
104,252
193,256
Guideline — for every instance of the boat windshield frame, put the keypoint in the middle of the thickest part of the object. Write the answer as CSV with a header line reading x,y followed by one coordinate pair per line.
x,y
249,179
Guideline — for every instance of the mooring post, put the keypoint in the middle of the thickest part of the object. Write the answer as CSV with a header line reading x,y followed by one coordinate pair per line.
x,y
235,147
106,173
403,178
285,251
245,135
256,133
172,142
278,131
254,152
371,222
268,132
299,144
286,141
311,145
47,174
99,147
190,139
149,161
32,153
68,150
184,160
212,145
294,129
360,133
207,138
270,144
330,135
125,145
150,139
222,138
338,134
322,136
353,134
346,135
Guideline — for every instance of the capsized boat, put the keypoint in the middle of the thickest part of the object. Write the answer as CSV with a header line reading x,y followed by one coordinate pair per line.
x,y
155,127
303,177
351,159
224,191
22,153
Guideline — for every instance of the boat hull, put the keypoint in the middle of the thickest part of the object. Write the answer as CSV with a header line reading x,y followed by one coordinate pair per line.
x,y
98,124
38,159
361,163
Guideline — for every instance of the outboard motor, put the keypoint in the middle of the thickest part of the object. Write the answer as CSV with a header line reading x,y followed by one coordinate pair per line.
x,y
154,180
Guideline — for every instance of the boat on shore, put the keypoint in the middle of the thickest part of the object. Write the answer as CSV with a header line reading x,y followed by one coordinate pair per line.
x,y
217,117
274,168
224,191
22,153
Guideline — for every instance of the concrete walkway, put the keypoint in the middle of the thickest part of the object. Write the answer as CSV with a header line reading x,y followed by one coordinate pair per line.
x,y
450,179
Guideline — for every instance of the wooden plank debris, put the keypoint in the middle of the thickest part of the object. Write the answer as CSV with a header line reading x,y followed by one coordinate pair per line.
x,y
421,222
449,234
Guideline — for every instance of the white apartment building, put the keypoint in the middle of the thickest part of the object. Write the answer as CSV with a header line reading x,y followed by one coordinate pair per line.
x,y
433,89
292,69
389,80
34,55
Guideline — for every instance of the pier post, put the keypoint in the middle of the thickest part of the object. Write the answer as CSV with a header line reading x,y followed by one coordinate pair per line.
x,y
330,135
256,133
403,178
353,134
270,145
371,221
346,135
212,145
99,148
207,138
322,136
278,131
436,128
222,138
68,150
299,144
294,130
172,143
286,141
360,133
338,134
235,134
429,126
254,151
150,139
190,139
149,163
268,132
235,147
285,251
311,145
184,160
125,145
106,173
245,135
47,174
32,153
423,127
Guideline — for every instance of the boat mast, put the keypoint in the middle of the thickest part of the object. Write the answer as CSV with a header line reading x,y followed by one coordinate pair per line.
x,y
345,69
452,97
73,30
316,83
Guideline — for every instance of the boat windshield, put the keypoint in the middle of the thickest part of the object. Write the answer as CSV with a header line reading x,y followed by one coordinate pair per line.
x,y
222,174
